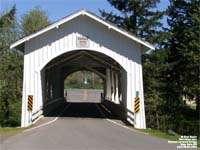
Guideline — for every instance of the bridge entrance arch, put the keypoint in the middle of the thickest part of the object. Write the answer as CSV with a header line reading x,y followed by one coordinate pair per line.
x,y
82,41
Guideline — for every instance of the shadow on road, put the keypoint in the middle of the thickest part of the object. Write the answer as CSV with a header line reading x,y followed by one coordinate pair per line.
x,y
82,110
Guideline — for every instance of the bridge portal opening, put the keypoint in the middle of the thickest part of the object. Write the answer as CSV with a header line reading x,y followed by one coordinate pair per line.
x,y
84,76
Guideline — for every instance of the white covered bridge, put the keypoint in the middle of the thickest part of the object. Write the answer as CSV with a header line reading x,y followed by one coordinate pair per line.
x,y
82,41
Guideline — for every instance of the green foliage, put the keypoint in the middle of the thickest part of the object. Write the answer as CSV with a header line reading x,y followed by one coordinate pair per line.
x,y
76,80
184,49
34,20
161,134
11,62
7,20
7,30
10,72
174,73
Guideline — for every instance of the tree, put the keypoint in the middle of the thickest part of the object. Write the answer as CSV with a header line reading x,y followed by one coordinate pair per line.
x,y
154,87
184,49
138,17
34,20
7,24
10,71
11,62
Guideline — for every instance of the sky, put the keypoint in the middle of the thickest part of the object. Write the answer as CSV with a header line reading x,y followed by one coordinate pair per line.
x,y
57,9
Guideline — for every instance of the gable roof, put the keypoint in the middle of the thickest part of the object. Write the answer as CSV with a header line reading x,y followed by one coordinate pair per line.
x,y
145,44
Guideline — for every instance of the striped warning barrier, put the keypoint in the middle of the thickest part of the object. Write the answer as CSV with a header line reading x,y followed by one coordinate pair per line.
x,y
137,105
30,103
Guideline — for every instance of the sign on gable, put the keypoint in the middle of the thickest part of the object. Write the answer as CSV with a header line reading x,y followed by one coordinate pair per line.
x,y
82,42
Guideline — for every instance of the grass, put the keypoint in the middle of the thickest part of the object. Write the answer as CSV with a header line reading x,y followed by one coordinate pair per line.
x,y
198,143
193,107
164,135
160,134
10,130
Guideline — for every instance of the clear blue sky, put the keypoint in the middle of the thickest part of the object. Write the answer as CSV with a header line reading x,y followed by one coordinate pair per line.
x,y
57,9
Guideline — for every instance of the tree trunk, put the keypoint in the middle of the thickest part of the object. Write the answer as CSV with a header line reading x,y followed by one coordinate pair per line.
x,y
198,104
157,120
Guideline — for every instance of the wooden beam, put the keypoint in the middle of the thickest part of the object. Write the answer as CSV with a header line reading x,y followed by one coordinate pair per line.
x,y
70,57
101,61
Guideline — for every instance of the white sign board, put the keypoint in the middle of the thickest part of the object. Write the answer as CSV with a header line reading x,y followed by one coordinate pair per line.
x,y
82,42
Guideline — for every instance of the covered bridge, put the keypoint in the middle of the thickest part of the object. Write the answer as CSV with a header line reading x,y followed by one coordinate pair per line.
x,y
82,41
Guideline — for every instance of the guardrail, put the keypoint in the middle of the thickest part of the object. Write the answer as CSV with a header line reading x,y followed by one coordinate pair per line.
x,y
115,108
53,105
123,113
47,108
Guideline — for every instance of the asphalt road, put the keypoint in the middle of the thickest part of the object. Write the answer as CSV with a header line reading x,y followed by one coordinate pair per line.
x,y
83,95
82,126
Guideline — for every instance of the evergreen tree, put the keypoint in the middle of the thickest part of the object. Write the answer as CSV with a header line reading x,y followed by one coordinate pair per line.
x,y
7,24
7,20
154,68
184,51
138,17
34,20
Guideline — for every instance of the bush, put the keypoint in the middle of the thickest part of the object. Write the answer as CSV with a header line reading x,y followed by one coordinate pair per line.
x,y
10,107
183,121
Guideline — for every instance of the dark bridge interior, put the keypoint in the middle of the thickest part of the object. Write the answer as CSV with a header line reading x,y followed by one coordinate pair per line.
x,y
58,69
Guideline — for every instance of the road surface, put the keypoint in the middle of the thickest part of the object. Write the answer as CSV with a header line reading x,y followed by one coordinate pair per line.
x,y
83,95
83,126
